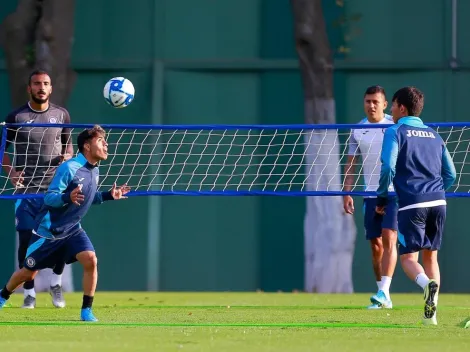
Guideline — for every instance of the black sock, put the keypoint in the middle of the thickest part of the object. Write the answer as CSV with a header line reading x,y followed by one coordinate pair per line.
x,y
28,285
59,268
87,301
5,293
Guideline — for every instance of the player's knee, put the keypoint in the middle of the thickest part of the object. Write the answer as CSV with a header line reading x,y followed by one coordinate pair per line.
x,y
408,259
377,247
429,258
27,275
389,239
88,260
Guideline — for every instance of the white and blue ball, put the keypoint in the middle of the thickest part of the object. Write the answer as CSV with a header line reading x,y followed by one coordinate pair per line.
x,y
119,92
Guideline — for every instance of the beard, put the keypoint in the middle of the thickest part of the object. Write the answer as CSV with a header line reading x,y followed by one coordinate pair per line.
x,y
38,100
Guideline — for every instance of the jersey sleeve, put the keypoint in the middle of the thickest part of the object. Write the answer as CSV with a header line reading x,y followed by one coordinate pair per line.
x,y
101,197
66,131
11,132
388,158
448,169
353,146
56,196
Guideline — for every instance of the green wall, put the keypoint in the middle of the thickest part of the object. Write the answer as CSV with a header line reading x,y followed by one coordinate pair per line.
x,y
234,62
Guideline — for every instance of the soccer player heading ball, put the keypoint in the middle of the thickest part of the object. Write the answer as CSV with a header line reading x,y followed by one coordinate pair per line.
x,y
58,234
416,159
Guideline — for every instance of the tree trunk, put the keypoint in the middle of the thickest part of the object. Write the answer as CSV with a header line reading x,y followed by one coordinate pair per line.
x,y
329,234
39,35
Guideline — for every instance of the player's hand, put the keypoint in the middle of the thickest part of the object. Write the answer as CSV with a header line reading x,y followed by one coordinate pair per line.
x,y
17,178
120,192
380,210
76,195
65,157
348,204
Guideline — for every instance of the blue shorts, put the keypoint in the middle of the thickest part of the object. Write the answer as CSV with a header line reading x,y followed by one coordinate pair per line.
x,y
374,223
25,213
421,228
45,253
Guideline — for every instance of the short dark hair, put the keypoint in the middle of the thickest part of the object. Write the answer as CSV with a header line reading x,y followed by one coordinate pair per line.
x,y
375,90
37,72
411,98
87,135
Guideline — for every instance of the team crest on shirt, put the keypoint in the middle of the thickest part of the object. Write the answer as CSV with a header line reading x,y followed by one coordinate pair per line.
x,y
53,120
30,262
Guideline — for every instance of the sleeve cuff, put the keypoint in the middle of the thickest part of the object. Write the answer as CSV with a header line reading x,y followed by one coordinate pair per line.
x,y
66,198
107,196
382,201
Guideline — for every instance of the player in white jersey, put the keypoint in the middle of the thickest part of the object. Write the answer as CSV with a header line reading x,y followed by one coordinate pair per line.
x,y
381,230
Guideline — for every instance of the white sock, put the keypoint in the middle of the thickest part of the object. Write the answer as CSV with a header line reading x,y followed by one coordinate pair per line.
x,y
379,285
422,280
29,292
385,283
56,280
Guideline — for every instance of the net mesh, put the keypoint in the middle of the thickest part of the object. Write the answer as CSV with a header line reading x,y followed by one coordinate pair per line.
x,y
232,160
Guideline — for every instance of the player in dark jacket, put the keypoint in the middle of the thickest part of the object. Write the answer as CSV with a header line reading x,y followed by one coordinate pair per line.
x,y
416,159
58,234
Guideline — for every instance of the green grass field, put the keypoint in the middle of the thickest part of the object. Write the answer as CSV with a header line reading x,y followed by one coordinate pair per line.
x,y
234,322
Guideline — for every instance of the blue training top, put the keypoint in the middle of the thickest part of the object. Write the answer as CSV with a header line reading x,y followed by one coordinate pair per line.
x,y
415,158
59,217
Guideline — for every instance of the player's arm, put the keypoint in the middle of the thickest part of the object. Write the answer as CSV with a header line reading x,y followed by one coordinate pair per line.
x,y
114,193
448,172
16,177
388,158
56,195
349,174
66,139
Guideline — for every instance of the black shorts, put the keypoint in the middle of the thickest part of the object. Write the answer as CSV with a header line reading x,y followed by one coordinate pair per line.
x,y
45,253
374,223
421,228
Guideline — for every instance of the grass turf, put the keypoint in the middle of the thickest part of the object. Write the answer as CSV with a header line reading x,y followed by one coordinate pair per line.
x,y
131,321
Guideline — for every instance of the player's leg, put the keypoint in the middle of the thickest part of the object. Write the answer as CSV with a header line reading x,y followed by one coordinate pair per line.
x,y
434,231
24,236
79,248
389,258
55,290
90,279
37,254
25,210
412,238
19,277
373,229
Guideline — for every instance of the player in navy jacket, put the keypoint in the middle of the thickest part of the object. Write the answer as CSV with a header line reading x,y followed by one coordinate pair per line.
x,y
58,234
416,159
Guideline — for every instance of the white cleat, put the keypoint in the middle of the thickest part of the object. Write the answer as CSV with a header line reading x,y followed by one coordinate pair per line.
x,y
430,321
374,306
29,302
381,299
430,304
57,297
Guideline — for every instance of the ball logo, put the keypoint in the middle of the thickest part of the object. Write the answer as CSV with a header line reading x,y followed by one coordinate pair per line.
x,y
30,262
422,134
